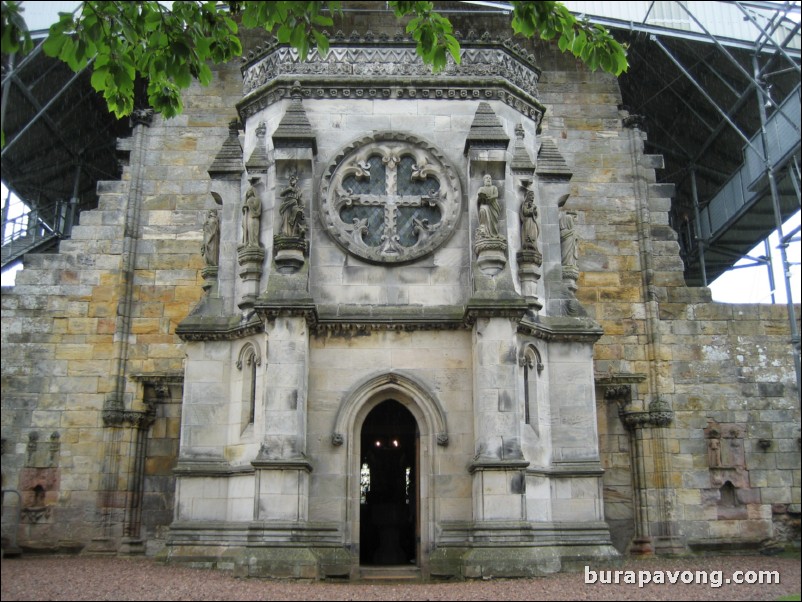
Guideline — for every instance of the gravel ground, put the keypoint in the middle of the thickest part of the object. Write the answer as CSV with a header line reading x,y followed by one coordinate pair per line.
x,y
104,578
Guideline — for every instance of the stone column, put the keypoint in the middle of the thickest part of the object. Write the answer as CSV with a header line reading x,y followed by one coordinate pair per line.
x,y
498,467
282,467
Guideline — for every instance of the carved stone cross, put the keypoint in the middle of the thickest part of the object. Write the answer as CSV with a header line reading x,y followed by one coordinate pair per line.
x,y
391,201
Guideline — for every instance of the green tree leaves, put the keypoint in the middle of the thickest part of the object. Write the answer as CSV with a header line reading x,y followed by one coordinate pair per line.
x,y
431,31
169,47
15,35
592,44
166,47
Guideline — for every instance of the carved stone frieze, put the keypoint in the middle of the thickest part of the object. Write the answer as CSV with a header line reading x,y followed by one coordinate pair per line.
x,y
659,414
488,70
136,419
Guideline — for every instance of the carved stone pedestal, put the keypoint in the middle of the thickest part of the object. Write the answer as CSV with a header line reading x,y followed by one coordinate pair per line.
x,y
529,272
491,255
250,259
290,253
209,274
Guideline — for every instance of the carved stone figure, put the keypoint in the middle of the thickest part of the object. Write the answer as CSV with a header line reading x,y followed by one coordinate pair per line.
x,y
358,229
489,210
568,246
714,453
251,218
530,228
421,228
210,249
292,210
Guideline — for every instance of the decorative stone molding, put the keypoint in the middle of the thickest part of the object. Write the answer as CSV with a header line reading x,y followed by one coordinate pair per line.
x,y
219,328
136,419
531,359
367,67
390,198
659,415
141,117
247,355
402,387
561,329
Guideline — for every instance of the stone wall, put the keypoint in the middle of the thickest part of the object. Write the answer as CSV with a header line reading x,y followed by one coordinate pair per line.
x,y
70,337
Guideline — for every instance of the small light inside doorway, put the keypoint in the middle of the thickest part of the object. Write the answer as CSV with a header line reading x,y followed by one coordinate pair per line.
x,y
378,443
395,442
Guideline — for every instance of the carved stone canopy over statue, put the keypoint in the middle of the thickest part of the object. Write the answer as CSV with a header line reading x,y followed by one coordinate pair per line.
x,y
489,210
210,249
530,226
251,218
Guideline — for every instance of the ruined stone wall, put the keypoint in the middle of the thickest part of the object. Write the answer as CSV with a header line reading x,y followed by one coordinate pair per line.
x,y
64,321
718,366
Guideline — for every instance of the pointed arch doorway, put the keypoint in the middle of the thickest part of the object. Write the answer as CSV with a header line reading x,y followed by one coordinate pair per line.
x,y
389,508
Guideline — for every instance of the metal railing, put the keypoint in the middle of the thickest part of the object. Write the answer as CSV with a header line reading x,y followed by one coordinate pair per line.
x,y
35,226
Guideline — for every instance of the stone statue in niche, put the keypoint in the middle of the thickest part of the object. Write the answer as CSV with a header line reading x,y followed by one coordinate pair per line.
x,y
292,210
568,239
210,249
251,218
530,227
714,453
489,209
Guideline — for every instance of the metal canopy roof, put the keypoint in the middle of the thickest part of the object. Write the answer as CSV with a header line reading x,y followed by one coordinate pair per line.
x,y
60,137
700,97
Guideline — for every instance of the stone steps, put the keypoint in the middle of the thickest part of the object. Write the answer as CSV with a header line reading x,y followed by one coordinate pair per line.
x,y
404,573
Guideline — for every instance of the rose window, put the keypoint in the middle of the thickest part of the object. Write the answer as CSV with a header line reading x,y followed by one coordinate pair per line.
x,y
390,200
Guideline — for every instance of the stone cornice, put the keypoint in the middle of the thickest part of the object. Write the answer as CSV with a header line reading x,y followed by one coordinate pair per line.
x,y
368,67
561,329
619,378
209,468
479,465
568,469
158,378
207,328
347,319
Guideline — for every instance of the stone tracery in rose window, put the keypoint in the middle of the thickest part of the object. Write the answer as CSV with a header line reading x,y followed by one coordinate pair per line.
x,y
390,199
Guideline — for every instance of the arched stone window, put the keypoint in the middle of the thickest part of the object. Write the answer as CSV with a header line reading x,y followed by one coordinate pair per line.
x,y
390,198
532,367
247,362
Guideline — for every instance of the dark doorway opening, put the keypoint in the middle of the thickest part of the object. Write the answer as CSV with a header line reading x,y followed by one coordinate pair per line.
x,y
389,486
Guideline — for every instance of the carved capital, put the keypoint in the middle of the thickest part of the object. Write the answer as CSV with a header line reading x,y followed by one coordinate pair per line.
x,y
141,117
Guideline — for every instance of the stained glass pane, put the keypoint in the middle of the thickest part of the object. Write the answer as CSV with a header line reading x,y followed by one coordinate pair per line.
x,y
411,219
407,185
375,222
373,185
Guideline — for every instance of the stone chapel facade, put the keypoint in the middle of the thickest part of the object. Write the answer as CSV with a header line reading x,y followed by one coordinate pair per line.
x,y
345,312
